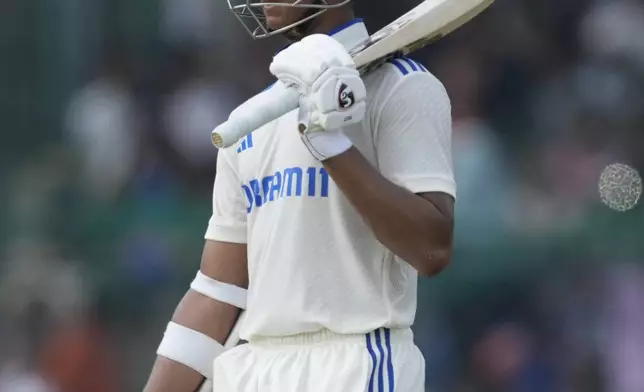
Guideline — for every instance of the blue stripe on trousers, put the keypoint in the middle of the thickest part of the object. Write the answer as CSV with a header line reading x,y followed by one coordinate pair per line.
x,y
390,365
378,360
381,382
374,362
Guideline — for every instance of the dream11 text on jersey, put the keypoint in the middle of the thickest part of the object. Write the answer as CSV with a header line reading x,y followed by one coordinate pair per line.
x,y
288,182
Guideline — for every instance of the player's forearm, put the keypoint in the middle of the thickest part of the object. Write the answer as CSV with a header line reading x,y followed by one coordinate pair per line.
x,y
200,313
169,376
407,224
203,313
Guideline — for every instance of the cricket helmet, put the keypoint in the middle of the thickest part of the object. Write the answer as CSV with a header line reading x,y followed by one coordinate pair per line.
x,y
251,14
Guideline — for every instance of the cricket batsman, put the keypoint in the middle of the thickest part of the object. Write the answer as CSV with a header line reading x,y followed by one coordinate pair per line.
x,y
322,221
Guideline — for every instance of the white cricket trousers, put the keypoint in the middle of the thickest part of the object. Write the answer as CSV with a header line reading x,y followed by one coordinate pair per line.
x,y
385,360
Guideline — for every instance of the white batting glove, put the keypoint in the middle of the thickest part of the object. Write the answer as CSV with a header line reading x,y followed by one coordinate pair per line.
x,y
332,94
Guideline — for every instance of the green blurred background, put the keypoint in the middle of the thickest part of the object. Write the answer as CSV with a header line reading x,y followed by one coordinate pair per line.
x,y
106,109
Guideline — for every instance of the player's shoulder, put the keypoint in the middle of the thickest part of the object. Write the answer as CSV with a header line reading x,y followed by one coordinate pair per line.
x,y
402,75
401,66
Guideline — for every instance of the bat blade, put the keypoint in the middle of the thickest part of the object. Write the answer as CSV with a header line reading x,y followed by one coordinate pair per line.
x,y
426,23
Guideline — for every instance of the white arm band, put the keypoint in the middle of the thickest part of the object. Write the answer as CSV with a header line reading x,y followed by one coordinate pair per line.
x,y
190,348
220,291
232,341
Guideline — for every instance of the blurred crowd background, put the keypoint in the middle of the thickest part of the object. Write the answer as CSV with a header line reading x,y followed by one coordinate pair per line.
x,y
106,108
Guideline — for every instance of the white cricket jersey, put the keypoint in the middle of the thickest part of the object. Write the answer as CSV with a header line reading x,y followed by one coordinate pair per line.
x,y
312,261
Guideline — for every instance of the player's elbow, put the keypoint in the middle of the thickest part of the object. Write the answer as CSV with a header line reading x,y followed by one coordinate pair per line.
x,y
433,250
431,262
433,234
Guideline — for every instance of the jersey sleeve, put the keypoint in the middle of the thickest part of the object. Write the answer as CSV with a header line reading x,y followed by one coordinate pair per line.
x,y
413,135
228,220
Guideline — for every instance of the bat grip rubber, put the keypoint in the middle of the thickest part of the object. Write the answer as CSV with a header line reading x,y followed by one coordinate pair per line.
x,y
257,112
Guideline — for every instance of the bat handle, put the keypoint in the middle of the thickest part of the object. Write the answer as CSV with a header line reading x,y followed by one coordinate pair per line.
x,y
255,113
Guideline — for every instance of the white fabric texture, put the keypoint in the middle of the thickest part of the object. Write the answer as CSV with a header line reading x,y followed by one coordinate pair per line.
x,y
228,221
324,362
413,135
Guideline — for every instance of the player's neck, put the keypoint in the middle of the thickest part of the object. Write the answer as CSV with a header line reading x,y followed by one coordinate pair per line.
x,y
323,24
331,20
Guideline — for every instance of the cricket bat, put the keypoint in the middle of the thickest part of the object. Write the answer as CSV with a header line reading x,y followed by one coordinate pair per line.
x,y
426,23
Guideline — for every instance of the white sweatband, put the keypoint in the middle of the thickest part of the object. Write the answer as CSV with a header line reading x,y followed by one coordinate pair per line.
x,y
190,348
220,291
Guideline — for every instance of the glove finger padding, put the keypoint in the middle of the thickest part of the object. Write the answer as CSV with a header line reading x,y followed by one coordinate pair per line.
x,y
289,67
331,52
310,58
332,95
337,98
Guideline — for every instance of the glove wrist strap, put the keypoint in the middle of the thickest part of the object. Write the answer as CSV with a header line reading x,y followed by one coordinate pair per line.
x,y
326,144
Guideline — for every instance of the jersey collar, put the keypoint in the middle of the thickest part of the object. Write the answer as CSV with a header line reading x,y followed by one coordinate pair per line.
x,y
351,34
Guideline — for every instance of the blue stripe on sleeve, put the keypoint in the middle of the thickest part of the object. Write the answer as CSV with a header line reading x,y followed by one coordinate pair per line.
x,y
400,66
406,65
411,63
420,66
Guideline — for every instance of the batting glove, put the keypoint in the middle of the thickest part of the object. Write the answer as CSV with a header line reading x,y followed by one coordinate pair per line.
x,y
332,94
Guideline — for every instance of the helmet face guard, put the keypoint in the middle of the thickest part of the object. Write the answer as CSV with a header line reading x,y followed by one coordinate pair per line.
x,y
251,14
